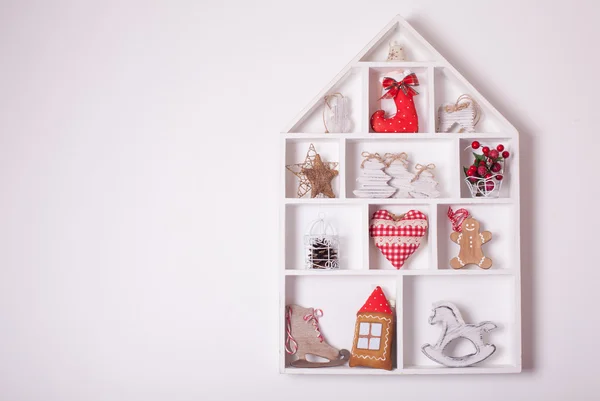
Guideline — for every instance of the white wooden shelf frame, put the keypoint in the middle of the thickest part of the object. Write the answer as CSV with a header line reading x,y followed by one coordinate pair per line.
x,y
502,283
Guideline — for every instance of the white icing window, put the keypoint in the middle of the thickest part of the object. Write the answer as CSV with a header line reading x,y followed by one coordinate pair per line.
x,y
376,329
374,343
363,343
369,336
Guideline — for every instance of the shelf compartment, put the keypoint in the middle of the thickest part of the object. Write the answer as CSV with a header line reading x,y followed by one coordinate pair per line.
x,y
479,298
350,85
340,298
441,152
466,160
414,48
295,152
418,260
497,219
422,102
448,88
347,221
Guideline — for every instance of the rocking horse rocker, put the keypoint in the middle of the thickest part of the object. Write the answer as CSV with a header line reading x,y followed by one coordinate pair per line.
x,y
405,120
454,327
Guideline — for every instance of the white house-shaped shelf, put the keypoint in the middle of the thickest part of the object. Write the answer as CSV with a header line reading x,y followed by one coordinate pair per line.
x,y
492,294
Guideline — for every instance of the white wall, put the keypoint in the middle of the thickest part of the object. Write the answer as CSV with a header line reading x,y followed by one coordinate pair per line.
x,y
138,223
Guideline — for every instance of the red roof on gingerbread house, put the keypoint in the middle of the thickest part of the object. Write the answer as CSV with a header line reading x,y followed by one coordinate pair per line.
x,y
377,302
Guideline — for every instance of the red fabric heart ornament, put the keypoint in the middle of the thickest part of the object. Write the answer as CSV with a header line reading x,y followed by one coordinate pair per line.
x,y
398,237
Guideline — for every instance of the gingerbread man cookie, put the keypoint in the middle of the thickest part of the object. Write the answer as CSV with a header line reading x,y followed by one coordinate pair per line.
x,y
470,241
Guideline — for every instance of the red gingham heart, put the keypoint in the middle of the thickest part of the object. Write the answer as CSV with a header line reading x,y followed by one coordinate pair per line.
x,y
398,238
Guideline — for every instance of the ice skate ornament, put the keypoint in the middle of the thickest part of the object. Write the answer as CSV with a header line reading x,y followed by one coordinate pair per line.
x,y
470,240
395,52
423,183
397,168
405,119
303,337
373,181
454,327
335,113
465,114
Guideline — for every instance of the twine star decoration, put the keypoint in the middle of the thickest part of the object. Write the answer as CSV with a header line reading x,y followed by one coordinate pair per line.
x,y
305,185
320,177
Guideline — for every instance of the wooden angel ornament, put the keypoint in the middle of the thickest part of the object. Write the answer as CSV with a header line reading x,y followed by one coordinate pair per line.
x,y
470,239
395,52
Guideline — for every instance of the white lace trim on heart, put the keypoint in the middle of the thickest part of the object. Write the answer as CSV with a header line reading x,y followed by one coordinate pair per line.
x,y
398,240
402,223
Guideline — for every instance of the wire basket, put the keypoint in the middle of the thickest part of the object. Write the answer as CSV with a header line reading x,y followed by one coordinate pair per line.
x,y
321,246
484,187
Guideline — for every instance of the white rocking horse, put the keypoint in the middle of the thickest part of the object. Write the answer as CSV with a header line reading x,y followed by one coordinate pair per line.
x,y
454,327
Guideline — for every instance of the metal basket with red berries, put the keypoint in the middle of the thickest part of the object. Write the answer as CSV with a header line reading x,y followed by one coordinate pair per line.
x,y
484,177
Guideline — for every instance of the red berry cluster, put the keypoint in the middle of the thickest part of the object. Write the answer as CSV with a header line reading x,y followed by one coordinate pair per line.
x,y
488,164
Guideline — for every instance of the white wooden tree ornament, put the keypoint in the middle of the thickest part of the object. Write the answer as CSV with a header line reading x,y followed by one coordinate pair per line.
x,y
373,181
453,328
465,114
423,184
397,168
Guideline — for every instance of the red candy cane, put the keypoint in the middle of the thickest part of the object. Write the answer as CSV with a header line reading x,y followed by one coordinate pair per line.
x,y
457,218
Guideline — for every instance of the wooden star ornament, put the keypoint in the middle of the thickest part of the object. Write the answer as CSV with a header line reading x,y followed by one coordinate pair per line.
x,y
320,177
304,185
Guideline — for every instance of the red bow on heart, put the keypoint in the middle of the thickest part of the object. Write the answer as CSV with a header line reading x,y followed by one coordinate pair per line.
x,y
392,86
